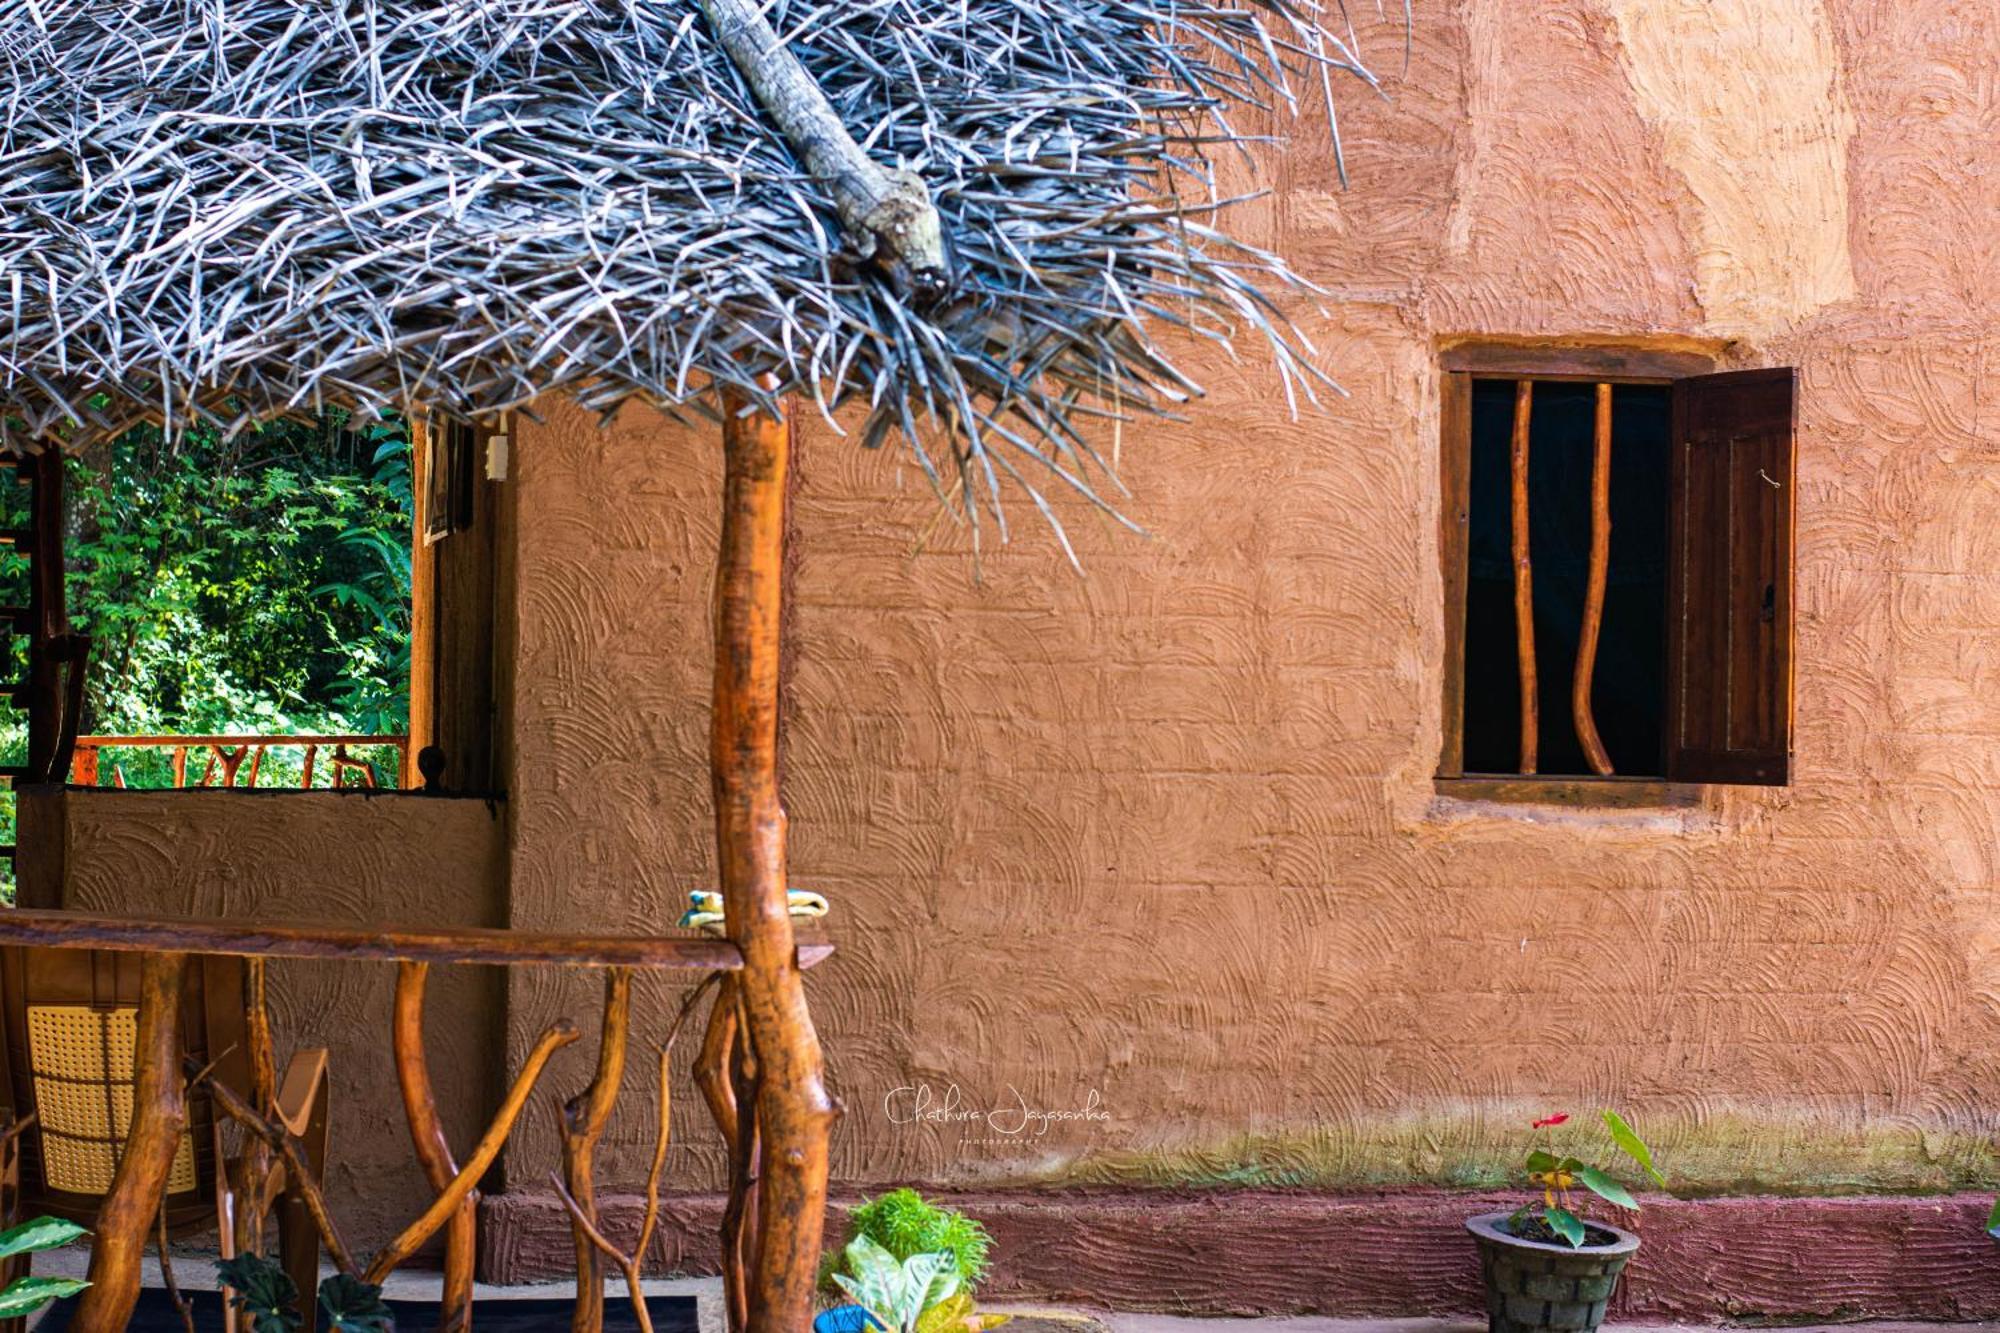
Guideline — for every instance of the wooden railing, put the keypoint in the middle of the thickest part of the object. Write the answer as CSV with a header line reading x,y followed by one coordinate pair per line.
x,y
728,1071
222,759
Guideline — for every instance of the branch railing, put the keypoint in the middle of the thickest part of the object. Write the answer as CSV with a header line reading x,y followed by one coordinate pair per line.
x,y
239,760
159,1108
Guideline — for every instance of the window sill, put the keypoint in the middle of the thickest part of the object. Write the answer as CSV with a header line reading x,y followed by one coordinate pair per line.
x,y
1573,793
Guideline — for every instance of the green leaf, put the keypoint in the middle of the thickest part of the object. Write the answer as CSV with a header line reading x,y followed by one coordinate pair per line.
x,y
870,1261
354,1306
263,1290
41,1233
1565,1224
1993,1218
1539,1160
25,1295
1604,1187
1635,1147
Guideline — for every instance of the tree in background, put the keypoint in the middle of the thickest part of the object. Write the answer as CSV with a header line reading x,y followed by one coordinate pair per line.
x,y
258,583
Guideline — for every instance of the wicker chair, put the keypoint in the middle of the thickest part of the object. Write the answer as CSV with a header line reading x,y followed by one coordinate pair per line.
x,y
67,1061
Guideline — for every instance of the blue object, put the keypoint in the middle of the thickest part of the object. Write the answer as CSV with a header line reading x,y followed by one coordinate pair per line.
x,y
847,1319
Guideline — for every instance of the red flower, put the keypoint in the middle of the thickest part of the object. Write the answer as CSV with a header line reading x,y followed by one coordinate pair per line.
x,y
1558,1118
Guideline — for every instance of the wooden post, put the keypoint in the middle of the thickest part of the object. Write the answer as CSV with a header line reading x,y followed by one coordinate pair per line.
x,y
1593,592
159,1116
1524,582
258,1159
584,1119
794,1112
15,1266
433,1148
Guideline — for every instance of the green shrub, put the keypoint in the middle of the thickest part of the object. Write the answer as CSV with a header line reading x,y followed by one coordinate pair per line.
x,y
904,1224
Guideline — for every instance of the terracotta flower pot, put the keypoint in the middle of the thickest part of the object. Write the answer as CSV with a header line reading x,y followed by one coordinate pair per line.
x,y
1532,1286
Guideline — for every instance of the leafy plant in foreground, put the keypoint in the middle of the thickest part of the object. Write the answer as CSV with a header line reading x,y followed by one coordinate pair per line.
x,y
25,1295
261,1289
1558,1176
353,1306
899,1293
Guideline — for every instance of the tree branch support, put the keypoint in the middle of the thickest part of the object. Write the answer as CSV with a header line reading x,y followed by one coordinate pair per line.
x,y
793,1113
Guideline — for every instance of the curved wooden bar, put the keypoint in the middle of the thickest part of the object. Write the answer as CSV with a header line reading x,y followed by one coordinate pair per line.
x,y
1524,580
584,1118
714,1076
433,1148
558,1035
1593,593
389,944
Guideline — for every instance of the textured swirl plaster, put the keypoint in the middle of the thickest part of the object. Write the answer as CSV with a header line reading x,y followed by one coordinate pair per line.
x,y
1157,846
1745,98
347,859
1147,864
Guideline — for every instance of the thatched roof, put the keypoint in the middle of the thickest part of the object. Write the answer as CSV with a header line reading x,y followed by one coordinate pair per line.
x,y
243,208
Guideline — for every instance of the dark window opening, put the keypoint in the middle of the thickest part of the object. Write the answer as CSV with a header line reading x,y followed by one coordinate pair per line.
x,y
1628,694
1692,681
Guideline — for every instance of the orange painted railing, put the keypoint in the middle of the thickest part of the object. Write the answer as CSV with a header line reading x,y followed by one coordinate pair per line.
x,y
223,758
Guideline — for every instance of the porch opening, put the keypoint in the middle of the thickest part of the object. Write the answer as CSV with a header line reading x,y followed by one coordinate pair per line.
x,y
239,593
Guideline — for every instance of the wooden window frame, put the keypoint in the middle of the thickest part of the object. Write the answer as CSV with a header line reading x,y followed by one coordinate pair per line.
x,y
1461,364
461,581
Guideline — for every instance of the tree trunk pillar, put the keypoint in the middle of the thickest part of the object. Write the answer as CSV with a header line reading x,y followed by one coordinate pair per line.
x,y
159,1116
794,1113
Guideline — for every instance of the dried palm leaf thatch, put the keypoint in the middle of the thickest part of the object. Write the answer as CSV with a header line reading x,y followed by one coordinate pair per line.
x,y
236,209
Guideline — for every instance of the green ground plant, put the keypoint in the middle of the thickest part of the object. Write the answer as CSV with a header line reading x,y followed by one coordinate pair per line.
x,y
258,1288
25,1295
905,1224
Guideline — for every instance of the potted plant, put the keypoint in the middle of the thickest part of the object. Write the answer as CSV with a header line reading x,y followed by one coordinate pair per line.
x,y
1544,1265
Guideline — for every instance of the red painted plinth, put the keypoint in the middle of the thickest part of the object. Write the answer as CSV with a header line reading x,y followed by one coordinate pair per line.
x,y
1392,1253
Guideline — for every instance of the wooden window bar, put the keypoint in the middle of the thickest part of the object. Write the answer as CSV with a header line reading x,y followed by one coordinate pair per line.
x,y
1581,712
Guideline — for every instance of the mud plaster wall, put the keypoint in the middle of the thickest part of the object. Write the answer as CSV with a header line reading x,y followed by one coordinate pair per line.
x,y
346,859
1158,847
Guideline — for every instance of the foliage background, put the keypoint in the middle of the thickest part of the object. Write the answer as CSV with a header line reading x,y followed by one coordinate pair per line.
x,y
258,583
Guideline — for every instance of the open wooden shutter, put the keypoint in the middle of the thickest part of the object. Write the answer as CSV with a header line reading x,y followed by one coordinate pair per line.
x,y
1729,584
454,604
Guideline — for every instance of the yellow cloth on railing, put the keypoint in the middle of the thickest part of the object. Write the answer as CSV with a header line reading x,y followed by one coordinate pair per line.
x,y
705,908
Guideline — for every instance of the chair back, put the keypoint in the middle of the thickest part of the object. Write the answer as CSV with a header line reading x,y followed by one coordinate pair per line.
x,y
71,1028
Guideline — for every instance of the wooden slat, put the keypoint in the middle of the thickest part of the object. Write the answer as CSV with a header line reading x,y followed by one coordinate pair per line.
x,y
1593,592
1729,624
168,742
83,930
1559,361
1614,793
1454,517
1524,582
